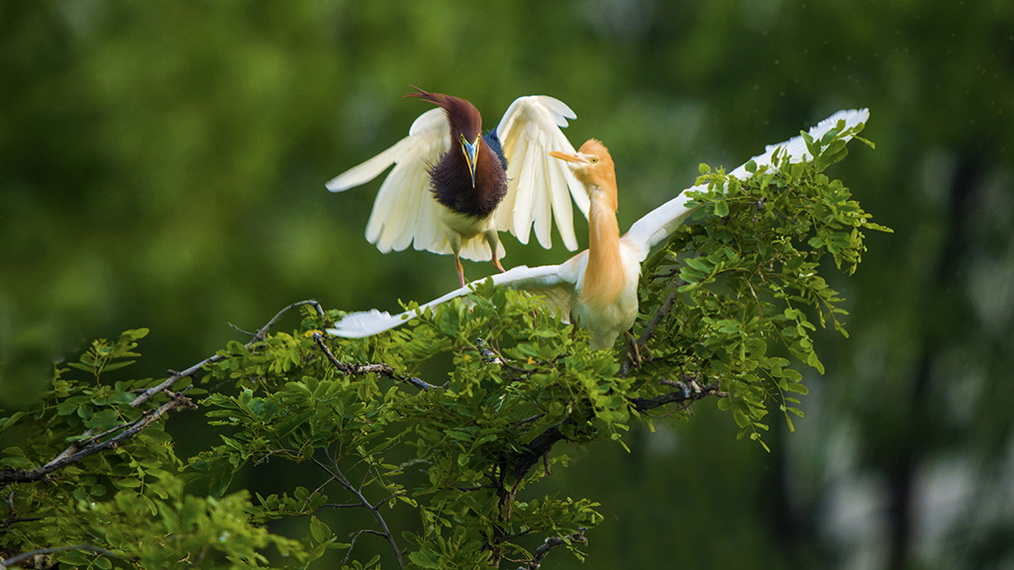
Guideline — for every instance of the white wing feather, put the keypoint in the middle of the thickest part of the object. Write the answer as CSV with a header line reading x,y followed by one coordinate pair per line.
x,y
544,278
795,147
529,129
403,210
658,224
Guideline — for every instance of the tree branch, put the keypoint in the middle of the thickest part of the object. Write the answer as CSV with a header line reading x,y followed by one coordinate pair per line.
x,y
76,453
379,369
689,392
649,329
89,443
14,560
550,543
517,464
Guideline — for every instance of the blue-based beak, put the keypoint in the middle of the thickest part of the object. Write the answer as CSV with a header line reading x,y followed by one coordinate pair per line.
x,y
470,149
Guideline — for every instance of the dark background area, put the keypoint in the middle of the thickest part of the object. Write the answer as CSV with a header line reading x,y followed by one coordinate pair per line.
x,y
162,164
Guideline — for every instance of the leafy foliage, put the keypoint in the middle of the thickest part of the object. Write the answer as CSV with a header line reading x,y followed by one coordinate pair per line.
x,y
458,464
748,281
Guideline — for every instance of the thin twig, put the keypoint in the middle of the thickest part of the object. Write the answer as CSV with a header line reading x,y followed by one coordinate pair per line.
x,y
352,542
12,517
527,420
262,333
337,475
192,370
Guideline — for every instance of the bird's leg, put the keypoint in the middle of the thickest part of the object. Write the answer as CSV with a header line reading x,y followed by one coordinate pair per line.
x,y
494,248
461,270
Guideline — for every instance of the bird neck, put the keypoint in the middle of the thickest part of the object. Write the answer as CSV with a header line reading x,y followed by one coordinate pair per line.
x,y
604,277
452,185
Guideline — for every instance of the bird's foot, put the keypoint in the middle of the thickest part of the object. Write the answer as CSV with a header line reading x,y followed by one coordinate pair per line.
x,y
499,267
633,350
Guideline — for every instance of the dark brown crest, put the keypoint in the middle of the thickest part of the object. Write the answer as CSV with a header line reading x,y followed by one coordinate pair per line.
x,y
462,115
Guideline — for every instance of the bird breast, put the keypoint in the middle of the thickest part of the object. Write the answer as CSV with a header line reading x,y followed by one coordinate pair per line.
x,y
608,318
466,226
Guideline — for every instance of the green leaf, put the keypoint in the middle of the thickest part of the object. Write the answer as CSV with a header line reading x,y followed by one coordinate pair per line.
x,y
103,420
797,388
319,530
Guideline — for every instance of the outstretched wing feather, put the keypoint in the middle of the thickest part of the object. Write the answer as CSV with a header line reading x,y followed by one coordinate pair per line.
x,y
367,323
658,224
529,129
403,210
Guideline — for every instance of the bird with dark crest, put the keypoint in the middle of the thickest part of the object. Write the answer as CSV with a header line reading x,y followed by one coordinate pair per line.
x,y
597,288
452,189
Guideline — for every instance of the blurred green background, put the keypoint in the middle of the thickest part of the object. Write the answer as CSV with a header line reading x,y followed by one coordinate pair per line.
x,y
162,164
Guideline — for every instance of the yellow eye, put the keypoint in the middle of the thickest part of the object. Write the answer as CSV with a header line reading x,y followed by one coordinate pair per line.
x,y
593,159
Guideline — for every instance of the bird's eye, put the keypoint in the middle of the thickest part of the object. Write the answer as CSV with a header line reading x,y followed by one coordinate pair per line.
x,y
593,159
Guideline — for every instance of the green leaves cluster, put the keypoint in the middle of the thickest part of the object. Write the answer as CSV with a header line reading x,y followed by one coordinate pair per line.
x,y
452,459
748,279
126,504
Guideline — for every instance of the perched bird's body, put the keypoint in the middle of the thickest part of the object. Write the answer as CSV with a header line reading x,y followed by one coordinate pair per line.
x,y
453,189
606,306
597,288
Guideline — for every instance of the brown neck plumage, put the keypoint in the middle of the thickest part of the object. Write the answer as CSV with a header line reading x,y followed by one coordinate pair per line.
x,y
451,181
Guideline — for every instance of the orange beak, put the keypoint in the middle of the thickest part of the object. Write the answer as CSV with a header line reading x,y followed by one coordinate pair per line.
x,y
568,157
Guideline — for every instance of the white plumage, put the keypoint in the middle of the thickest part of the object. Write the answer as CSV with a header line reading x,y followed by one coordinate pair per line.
x,y
404,212
562,284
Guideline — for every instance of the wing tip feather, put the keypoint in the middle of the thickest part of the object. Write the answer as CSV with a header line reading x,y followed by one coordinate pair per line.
x,y
363,324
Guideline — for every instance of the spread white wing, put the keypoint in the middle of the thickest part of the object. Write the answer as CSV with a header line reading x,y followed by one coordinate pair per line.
x,y
404,210
658,224
537,184
556,282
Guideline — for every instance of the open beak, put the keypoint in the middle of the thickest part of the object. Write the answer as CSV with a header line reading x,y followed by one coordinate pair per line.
x,y
576,158
471,150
